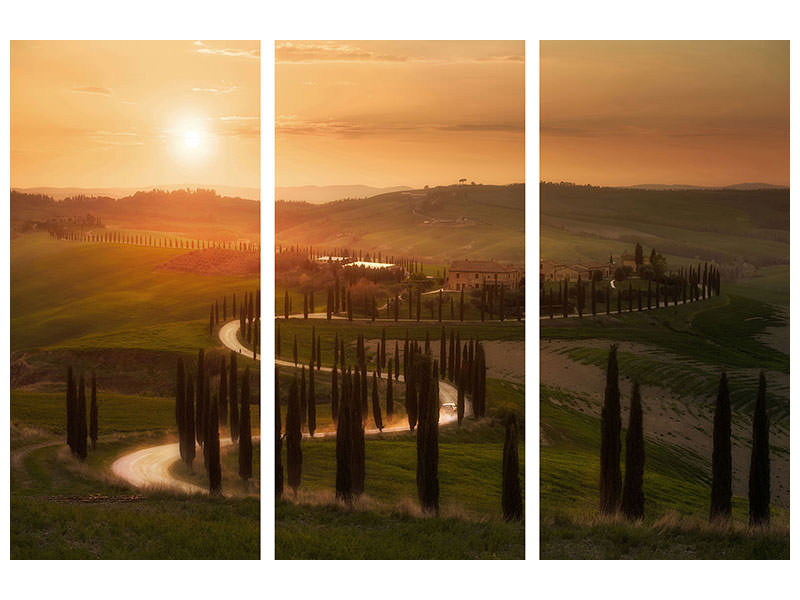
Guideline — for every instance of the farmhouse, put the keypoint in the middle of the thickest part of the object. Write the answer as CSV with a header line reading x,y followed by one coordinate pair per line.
x,y
471,274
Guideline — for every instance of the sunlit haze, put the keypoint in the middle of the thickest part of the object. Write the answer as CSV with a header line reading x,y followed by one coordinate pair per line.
x,y
699,113
135,114
399,113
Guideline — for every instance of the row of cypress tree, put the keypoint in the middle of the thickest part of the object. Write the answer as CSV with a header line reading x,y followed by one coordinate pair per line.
x,y
77,428
631,501
199,415
118,237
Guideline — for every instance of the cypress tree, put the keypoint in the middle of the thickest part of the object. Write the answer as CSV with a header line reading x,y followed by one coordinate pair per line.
x,y
427,436
200,415
188,419
71,403
389,399
223,392
376,406
461,397
245,433
451,361
443,352
632,493
357,416
461,306
344,444
278,438
285,304
233,396
82,430
759,488
294,453
419,305
512,489
294,350
721,462
427,342
212,446
610,480
334,393
411,393
312,403
396,361
319,352
93,413
303,399
382,361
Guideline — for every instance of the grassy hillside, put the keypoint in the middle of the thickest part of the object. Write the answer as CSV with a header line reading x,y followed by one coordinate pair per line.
x,y
480,222
581,223
676,488
107,307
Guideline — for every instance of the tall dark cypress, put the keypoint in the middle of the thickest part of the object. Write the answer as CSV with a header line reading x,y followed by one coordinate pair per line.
x,y
721,461
294,453
376,406
71,402
285,304
93,413
512,489
396,361
189,423
344,444
200,416
451,361
81,428
212,445
389,399
427,435
411,392
303,398
233,396
443,352
223,392
461,306
759,489
461,401
294,350
180,399
357,417
245,433
312,403
278,438
632,491
334,393
610,479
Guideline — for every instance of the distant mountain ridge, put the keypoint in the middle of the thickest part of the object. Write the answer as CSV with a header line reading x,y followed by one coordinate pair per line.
x,y
735,186
59,193
320,194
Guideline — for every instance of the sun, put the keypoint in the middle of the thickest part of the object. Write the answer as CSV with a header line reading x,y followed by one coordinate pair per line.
x,y
192,139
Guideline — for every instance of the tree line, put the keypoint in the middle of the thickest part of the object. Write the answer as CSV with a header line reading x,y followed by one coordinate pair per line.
x,y
248,311
628,497
350,407
687,285
203,406
137,239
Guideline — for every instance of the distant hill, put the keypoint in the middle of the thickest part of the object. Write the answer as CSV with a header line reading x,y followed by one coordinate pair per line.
x,y
59,193
586,223
437,224
202,214
735,186
315,194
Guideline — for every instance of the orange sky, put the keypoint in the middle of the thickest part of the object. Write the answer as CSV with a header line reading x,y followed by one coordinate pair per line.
x,y
399,113
701,113
135,114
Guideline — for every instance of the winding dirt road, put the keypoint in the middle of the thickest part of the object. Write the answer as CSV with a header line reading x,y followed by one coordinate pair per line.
x,y
148,468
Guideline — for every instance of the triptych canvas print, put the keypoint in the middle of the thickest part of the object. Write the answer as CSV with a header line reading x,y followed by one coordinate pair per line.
x,y
398,304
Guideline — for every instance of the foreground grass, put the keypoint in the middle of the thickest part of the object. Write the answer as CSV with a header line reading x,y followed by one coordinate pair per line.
x,y
62,509
332,532
563,538
676,488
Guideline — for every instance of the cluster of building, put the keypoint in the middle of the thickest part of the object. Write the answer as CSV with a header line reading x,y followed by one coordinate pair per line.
x,y
472,274
550,270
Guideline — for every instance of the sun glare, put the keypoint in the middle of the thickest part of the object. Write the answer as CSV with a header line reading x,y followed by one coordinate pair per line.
x,y
192,139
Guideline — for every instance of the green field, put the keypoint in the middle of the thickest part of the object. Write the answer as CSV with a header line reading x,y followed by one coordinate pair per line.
x,y
109,308
494,227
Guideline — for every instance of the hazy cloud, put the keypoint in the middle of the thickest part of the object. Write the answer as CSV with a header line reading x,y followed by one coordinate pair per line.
x,y
221,90
238,118
333,51
90,89
290,124
203,48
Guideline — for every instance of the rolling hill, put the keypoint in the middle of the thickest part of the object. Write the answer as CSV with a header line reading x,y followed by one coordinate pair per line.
x,y
442,223
320,194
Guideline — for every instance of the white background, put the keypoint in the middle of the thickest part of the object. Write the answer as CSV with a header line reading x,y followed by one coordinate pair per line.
x,y
410,19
